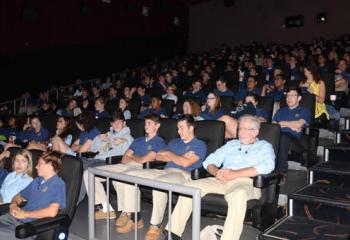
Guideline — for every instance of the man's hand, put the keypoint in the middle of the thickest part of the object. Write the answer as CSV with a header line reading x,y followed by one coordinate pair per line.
x,y
118,140
223,175
14,209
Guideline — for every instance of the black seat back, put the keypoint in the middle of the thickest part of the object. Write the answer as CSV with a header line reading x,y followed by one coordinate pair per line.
x,y
134,107
168,106
103,124
266,103
227,103
137,127
212,132
168,129
49,122
270,132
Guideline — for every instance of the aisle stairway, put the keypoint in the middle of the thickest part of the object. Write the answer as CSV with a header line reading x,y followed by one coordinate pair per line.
x,y
321,209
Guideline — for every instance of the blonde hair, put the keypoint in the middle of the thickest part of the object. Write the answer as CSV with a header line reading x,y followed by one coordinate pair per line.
x,y
27,155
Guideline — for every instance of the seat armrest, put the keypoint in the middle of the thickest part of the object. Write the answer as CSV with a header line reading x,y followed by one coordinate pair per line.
x,y
41,225
154,165
199,173
113,160
88,154
264,180
4,208
310,131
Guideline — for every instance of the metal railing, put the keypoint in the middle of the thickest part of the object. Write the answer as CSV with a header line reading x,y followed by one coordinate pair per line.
x,y
137,181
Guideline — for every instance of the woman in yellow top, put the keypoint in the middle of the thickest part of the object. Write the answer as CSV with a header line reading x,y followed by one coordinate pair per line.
x,y
317,87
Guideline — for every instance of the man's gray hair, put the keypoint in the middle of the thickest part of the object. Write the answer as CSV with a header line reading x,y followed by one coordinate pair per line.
x,y
248,117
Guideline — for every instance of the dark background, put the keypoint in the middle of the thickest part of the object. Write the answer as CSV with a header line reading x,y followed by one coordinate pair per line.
x,y
50,43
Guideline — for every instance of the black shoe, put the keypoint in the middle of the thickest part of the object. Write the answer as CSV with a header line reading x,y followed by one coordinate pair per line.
x,y
173,236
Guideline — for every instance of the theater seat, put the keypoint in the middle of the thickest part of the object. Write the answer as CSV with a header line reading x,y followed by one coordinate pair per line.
x,y
261,212
52,228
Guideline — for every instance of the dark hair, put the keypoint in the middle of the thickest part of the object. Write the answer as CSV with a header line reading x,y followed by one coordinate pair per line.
x,y
314,72
53,157
221,79
67,130
280,75
188,118
253,95
101,100
86,119
153,117
217,103
251,76
118,115
297,89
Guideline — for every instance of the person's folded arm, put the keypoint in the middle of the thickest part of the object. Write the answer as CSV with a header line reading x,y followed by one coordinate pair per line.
x,y
50,211
185,160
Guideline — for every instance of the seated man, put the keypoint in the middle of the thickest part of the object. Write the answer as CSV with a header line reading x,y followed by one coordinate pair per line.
x,y
143,149
251,86
155,108
45,196
115,142
292,119
240,159
182,155
277,90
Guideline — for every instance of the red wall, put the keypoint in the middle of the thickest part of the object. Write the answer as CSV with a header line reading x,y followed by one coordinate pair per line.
x,y
211,24
61,23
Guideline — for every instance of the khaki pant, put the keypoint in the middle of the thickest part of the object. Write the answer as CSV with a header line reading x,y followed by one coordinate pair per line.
x,y
237,192
100,193
128,191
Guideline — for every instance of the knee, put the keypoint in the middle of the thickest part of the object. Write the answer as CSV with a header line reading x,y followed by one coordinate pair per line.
x,y
237,195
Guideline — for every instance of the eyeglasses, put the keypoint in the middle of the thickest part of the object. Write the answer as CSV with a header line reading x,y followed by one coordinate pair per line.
x,y
246,129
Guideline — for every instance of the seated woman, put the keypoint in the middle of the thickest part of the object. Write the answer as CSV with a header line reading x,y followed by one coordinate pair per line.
x,y
72,109
123,107
44,197
86,124
20,178
215,112
250,107
314,85
190,107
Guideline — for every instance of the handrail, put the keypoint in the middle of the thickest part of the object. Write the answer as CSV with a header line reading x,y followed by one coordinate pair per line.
x,y
194,192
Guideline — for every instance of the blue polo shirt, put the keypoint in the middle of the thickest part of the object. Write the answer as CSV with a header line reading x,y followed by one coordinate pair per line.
x,y
40,194
240,96
227,93
84,136
103,114
277,94
287,114
179,147
200,94
31,135
141,146
259,112
149,111
212,115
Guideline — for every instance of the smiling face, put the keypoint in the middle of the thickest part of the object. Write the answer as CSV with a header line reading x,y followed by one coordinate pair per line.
x,y
247,131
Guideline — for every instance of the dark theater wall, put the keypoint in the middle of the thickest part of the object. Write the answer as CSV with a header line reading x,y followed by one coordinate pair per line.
x,y
62,22
211,24
61,40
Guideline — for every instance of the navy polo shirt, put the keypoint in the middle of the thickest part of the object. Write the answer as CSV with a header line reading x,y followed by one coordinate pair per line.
x,y
259,112
103,114
240,96
287,114
212,115
84,136
200,94
277,94
141,147
40,194
31,135
295,74
227,93
149,111
179,147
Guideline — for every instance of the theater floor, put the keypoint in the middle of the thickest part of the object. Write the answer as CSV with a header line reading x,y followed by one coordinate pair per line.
x,y
79,228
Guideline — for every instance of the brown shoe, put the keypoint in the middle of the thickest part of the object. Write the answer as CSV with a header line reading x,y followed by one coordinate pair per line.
x,y
153,233
129,226
103,215
122,219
